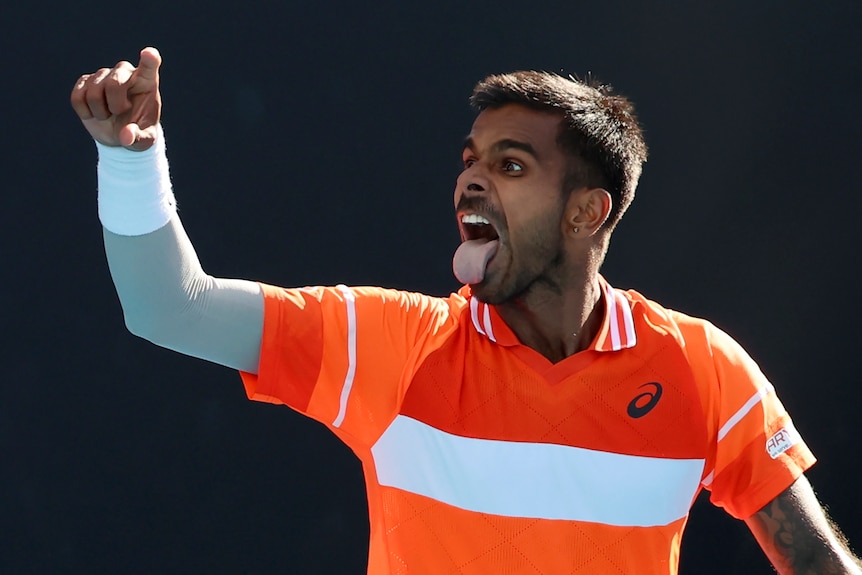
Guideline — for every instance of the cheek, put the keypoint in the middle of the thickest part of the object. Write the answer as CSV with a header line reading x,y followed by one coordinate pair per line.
x,y
536,230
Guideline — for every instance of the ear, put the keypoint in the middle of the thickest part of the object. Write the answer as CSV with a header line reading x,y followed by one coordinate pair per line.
x,y
586,211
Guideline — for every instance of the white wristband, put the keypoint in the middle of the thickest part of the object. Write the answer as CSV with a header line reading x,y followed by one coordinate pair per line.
x,y
135,195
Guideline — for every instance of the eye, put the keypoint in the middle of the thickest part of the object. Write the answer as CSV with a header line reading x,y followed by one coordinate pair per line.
x,y
468,162
512,166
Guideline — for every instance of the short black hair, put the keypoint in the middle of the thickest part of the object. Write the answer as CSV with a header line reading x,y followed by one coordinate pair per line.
x,y
598,129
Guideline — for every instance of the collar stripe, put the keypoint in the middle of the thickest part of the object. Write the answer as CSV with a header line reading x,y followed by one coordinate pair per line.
x,y
619,329
629,321
611,299
474,314
488,328
617,332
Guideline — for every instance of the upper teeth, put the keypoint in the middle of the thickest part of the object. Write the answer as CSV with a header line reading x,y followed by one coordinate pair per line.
x,y
474,219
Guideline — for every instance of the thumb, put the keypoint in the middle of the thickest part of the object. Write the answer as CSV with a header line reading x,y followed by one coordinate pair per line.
x,y
134,138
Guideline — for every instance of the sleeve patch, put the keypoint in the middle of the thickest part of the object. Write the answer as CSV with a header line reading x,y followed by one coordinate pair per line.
x,y
782,440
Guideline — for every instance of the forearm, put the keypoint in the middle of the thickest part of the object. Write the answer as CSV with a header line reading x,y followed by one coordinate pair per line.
x,y
165,294
169,300
798,538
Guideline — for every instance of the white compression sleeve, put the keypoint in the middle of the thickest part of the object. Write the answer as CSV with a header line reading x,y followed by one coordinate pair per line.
x,y
135,195
169,300
166,296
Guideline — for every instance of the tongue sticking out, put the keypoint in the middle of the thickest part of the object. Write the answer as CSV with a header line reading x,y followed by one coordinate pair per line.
x,y
471,258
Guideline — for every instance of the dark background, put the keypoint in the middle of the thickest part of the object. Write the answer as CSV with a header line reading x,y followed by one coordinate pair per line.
x,y
318,144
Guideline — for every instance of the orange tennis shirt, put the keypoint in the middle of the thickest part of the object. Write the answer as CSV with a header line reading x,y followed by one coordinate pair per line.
x,y
481,456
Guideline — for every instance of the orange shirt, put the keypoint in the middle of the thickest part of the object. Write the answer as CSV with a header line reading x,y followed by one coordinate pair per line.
x,y
480,456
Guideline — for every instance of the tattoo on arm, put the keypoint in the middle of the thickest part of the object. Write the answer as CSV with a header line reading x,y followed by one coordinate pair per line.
x,y
798,537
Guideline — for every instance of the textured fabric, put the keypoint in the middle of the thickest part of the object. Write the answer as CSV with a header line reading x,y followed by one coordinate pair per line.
x,y
468,438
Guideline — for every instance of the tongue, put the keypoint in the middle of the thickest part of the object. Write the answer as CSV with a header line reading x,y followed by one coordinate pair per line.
x,y
470,260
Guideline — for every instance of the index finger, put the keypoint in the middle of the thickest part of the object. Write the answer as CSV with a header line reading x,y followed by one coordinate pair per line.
x,y
148,66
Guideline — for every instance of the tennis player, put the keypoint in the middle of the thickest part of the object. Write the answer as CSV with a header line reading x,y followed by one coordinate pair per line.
x,y
539,420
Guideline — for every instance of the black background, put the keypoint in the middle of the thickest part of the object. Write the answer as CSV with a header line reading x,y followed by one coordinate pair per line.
x,y
318,144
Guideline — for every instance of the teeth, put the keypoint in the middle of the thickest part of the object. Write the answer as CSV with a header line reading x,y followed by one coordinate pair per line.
x,y
474,219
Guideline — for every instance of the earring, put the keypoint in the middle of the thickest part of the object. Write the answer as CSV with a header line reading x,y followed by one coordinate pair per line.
x,y
575,229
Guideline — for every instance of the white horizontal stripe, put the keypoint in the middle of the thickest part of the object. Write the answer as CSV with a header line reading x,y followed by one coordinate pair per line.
x,y
743,411
535,480
350,302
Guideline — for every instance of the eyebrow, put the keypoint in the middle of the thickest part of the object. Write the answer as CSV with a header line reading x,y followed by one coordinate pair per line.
x,y
503,145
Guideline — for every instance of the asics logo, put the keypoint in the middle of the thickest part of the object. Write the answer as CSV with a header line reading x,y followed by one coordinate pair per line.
x,y
646,401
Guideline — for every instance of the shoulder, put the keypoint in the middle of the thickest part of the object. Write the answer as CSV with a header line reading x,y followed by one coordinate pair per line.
x,y
658,317
373,305
410,302
403,298
697,335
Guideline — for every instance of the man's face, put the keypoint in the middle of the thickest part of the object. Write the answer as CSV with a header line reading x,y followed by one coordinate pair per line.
x,y
512,179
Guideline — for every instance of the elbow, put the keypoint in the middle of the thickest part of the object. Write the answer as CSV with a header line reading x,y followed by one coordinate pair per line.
x,y
151,326
156,315
138,327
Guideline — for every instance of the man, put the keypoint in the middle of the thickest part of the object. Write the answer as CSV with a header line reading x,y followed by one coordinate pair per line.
x,y
540,420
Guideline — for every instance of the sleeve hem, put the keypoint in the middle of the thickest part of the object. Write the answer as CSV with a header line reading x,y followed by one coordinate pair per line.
x,y
765,493
268,358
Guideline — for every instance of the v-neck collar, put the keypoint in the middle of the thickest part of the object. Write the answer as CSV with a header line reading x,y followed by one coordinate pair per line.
x,y
617,332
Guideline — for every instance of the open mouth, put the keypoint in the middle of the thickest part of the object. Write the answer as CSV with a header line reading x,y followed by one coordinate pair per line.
x,y
479,245
476,227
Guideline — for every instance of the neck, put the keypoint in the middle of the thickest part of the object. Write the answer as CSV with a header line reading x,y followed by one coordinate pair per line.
x,y
557,323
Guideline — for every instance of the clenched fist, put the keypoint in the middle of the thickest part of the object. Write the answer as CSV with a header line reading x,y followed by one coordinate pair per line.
x,y
121,106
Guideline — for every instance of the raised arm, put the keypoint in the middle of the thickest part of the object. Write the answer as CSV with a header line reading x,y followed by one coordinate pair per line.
x,y
166,296
798,538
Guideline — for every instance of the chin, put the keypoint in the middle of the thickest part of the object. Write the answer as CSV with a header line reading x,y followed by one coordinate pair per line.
x,y
488,293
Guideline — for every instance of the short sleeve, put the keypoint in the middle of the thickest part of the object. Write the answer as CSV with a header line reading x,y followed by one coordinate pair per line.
x,y
756,453
337,354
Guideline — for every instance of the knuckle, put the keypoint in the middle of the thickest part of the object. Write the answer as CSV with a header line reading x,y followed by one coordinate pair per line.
x,y
119,75
120,70
99,76
80,83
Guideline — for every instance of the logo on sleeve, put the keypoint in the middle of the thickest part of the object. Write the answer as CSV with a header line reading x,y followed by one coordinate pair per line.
x,y
784,439
646,401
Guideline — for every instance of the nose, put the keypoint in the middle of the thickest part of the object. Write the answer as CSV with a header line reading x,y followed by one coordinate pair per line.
x,y
471,182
